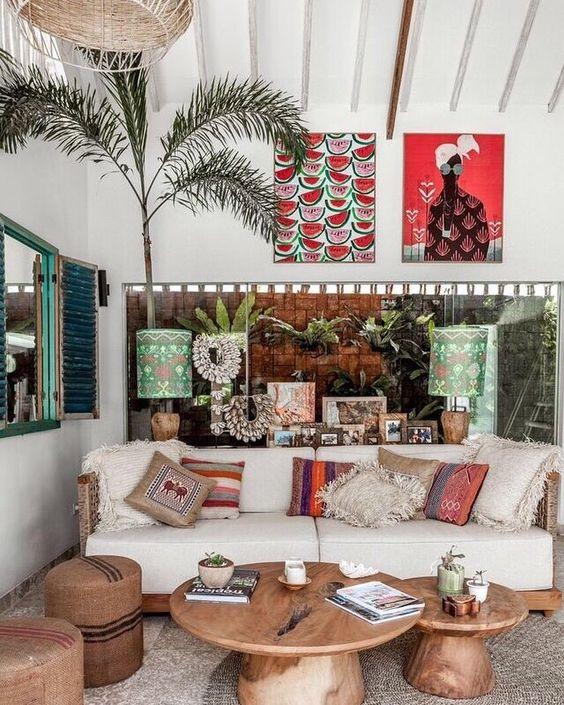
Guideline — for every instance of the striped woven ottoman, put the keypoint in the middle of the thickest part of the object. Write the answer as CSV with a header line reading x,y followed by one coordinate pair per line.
x,y
40,662
101,595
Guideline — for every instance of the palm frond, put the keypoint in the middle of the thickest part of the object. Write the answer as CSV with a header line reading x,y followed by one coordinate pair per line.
x,y
75,120
229,110
129,90
225,180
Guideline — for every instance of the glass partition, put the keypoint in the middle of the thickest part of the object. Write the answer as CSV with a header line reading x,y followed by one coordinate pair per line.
x,y
351,341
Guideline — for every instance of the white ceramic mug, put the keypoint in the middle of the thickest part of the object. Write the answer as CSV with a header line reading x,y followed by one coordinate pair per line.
x,y
295,571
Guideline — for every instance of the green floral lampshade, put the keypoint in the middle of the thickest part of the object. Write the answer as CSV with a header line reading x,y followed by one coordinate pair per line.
x,y
458,361
164,364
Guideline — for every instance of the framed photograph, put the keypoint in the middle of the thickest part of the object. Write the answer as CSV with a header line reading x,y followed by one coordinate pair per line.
x,y
421,432
371,438
464,169
294,402
309,434
346,411
392,428
284,436
329,437
352,434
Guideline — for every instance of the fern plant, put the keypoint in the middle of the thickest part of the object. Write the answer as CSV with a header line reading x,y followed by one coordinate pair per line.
x,y
244,320
343,384
317,338
197,166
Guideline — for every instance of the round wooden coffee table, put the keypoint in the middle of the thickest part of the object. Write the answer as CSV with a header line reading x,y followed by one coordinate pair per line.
x,y
298,647
451,659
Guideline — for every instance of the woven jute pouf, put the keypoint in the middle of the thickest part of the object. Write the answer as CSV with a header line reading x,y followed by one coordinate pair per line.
x,y
41,662
101,595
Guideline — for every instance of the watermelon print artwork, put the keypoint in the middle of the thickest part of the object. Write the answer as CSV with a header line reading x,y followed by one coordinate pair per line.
x,y
327,209
453,198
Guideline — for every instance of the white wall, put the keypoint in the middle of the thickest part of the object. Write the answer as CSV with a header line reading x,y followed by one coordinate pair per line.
x,y
213,247
46,193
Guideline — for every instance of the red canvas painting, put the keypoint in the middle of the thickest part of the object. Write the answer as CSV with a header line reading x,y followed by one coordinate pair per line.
x,y
326,209
453,198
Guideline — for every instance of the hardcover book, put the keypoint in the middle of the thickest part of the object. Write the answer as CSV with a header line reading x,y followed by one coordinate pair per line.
x,y
239,589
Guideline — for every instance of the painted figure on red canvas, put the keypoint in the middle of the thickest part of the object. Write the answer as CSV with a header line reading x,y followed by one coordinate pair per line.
x,y
453,198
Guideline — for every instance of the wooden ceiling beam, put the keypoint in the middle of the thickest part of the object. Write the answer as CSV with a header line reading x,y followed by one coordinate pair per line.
x,y
253,38
403,36
199,40
466,51
306,52
360,52
518,55
555,97
413,48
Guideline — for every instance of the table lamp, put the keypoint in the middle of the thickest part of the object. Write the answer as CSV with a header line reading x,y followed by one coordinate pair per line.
x,y
164,371
457,369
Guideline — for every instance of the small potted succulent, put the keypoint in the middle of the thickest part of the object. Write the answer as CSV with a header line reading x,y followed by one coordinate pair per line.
x,y
215,570
450,573
478,586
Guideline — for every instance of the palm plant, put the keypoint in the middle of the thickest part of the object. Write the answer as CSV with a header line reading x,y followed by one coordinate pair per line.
x,y
197,167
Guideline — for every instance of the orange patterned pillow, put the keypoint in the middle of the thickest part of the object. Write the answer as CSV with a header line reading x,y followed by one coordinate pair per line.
x,y
453,492
309,476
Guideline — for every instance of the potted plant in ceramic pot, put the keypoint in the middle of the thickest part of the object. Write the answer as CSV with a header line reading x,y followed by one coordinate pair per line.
x,y
450,574
215,570
478,586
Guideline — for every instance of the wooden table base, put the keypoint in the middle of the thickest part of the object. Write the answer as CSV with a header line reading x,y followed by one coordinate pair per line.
x,y
315,680
451,667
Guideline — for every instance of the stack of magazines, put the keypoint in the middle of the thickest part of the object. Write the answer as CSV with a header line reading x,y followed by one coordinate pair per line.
x,y
376,602
239,589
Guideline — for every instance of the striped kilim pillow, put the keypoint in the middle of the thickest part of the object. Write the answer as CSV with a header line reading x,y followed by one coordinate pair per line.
x,y
309,476
453,492
223,501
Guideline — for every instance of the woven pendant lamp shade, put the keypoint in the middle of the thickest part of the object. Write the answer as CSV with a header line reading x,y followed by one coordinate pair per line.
x,y
102,35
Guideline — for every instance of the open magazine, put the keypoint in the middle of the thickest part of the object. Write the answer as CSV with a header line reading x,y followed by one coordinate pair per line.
x,y
380,599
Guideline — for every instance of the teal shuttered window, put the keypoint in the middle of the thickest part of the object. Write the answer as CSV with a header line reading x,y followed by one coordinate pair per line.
x,y
3,390
78,340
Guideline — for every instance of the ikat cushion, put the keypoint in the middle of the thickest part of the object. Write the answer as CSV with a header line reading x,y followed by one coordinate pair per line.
x,y
454,491
170,493
223,501
308,477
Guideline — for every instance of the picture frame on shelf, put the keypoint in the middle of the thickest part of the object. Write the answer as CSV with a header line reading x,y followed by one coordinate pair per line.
x,y
294,402
330,436
392,428
284,436
421,432
346,411
309,434
372,438
352,434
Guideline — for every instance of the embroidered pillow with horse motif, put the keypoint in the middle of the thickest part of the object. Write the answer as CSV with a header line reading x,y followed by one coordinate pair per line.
x,y
170,493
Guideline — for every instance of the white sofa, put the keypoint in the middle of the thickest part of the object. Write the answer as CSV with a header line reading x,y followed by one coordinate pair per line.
x,y
263,532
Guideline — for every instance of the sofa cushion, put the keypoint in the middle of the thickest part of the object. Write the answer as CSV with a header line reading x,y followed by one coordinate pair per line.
x,y
519,561
309,476
267,480
423,468
445,453
223,501
169,556
453,492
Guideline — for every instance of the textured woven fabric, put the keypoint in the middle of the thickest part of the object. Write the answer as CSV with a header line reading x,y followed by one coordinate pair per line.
x,y
309,476
372,497
223,501
119,469
422,468
170,493
454,491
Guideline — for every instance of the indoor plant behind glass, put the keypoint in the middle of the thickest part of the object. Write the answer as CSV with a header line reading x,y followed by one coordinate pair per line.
x,y
450,574
215,570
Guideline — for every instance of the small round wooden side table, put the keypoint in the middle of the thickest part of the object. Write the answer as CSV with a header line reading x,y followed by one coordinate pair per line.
x,y
450,658
298,647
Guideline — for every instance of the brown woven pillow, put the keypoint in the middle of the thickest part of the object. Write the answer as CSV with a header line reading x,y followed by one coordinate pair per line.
x,y
170,493
422,468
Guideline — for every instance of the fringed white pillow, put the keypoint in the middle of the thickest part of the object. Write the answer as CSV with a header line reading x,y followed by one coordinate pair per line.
x,y
119,470
371,496
515,483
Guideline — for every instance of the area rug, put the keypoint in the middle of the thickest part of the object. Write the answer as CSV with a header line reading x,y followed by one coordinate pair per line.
x,y
529,664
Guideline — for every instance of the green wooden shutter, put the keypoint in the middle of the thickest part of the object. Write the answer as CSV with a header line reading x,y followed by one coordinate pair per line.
x,y
3,381
78,339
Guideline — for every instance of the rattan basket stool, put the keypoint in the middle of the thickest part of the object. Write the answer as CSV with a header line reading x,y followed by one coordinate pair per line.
x,y
40,662
101,595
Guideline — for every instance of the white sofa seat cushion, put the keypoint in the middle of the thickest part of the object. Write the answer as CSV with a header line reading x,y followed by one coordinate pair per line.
x,y
170,556
266,485
408,549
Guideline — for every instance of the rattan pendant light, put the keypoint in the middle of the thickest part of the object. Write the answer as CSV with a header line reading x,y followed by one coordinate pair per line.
x,y
102,35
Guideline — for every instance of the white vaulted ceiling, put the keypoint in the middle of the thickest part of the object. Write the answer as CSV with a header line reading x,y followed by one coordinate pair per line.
x,y
440,30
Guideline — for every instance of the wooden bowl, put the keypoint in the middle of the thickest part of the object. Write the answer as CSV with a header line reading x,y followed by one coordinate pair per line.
x,y
292,586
